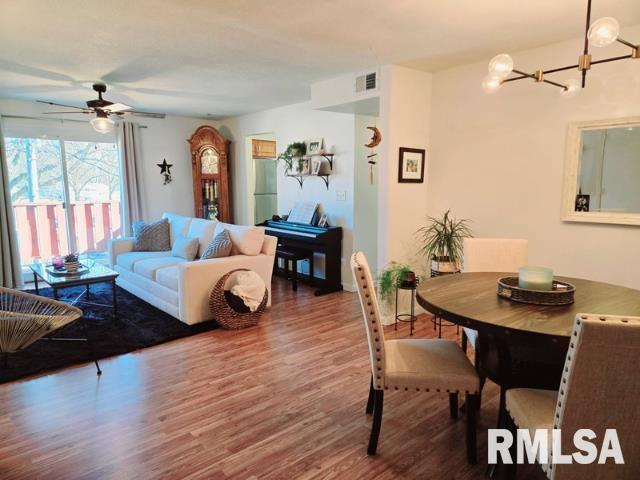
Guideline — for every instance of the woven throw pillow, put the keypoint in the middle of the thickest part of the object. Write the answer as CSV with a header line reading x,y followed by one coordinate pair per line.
x,y
185,247
220,246
151,237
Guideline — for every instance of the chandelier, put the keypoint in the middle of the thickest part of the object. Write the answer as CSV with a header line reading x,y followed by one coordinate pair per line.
x,y
601,33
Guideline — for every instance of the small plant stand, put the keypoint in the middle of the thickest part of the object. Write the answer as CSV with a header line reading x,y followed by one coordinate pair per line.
x,y
407,317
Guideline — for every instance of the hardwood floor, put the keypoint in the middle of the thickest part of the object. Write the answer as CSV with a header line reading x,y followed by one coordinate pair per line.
x,y
283,400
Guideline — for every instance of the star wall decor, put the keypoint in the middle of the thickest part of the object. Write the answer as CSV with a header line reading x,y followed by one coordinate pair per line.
x,y
165,169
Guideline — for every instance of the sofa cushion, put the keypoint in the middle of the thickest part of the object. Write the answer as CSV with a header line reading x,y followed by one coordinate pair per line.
x,y
220,246
151,237
168,277
185,247
178,225
147,268
128,260
203,231
246,240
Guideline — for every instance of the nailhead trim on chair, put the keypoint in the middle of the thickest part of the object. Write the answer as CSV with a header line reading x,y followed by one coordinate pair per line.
x,y
378,348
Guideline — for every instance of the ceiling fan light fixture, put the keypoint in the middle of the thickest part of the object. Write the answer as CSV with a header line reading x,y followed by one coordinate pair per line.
x,y
102,123
603,32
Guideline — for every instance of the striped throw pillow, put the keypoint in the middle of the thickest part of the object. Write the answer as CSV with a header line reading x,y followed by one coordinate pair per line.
x,y
220,246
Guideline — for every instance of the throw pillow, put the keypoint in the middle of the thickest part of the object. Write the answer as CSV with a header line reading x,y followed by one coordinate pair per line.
x,y
151,237
220,246
184,247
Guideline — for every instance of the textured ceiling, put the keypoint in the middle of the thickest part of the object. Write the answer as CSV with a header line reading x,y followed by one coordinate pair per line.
x,y
228,57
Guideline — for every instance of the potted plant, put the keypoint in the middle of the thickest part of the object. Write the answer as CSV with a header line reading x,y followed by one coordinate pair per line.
x,y
292,157
391,278
71,262
441,240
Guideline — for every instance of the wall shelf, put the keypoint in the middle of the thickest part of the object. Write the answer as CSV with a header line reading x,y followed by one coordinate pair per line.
x,y
328,157
302,178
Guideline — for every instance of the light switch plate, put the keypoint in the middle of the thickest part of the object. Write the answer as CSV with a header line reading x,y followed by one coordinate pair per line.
x,y
341,196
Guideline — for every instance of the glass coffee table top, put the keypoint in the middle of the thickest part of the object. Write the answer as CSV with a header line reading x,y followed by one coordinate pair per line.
x,y
95,272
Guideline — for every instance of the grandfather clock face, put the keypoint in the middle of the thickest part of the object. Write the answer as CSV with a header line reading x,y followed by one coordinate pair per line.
x,y
209,161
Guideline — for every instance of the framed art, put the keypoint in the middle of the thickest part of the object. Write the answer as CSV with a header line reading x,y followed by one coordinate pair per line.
x,y
316,164
314,146
411,165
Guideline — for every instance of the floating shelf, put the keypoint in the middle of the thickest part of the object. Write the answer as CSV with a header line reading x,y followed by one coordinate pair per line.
x,y
302,178
328,157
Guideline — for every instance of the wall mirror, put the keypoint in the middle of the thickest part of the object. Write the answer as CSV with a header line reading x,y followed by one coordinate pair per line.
x,y
602,172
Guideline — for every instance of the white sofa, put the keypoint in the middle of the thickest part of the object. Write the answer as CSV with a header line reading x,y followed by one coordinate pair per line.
x,y
180,287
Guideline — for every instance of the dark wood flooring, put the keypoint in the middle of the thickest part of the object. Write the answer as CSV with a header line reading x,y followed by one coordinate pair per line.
x,y
283,400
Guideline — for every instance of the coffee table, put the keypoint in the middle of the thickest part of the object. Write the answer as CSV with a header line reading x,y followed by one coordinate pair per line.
x,y
95,273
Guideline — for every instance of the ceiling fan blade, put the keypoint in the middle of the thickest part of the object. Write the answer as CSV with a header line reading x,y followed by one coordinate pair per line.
x,y
61,105
116,107
58,113
146,114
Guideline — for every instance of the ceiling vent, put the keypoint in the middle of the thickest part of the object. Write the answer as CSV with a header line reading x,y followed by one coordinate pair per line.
x,y
366,82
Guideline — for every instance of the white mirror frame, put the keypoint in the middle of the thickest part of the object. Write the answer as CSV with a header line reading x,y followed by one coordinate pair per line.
x,y
572,171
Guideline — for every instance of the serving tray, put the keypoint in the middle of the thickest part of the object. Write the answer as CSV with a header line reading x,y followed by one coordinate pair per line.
x,y
561,294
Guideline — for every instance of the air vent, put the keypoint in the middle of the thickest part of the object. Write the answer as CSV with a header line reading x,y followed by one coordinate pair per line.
x,y
366,82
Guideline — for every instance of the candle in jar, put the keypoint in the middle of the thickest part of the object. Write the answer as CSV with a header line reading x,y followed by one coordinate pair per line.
x,y
535,278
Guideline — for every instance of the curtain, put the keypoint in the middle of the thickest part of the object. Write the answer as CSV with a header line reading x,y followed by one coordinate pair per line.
x,y
10,270
129,140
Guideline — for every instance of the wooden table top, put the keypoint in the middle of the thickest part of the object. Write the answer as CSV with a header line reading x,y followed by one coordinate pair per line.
x,y
470,299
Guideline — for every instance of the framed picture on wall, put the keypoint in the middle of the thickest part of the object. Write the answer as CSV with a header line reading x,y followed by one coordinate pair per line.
x,y
411,165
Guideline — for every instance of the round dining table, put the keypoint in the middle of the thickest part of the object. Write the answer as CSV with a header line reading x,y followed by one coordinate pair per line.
x,y
519,344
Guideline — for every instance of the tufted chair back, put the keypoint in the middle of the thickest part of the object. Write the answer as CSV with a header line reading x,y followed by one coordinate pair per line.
x,y
494,254
600,389
371,314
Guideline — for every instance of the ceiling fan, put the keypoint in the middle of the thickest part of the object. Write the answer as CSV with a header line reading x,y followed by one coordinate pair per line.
x,y
102,109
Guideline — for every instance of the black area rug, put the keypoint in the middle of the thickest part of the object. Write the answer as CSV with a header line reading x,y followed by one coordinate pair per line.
x,y
137,326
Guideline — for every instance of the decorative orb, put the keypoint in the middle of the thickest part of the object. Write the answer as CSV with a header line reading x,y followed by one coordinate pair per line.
x,y
603,32
491,84
573,88
501,66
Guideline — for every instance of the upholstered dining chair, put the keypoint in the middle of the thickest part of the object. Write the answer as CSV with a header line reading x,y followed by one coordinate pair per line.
x,y
415,365
491,255
599,390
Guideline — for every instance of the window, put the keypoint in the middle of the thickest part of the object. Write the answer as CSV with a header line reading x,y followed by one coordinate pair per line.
x,y
65,195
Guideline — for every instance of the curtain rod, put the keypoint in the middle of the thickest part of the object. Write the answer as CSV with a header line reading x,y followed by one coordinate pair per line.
x,y
23,117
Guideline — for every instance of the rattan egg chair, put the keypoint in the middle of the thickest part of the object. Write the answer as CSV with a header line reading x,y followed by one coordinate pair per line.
x,y
25,318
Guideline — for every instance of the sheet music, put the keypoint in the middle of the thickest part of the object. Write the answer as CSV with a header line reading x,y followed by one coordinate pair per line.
x,y
302,212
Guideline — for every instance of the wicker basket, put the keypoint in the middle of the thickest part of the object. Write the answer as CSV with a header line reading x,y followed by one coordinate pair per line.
x,y
561,294
226,316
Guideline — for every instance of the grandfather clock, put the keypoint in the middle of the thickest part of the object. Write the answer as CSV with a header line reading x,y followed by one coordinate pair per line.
x,y
211,178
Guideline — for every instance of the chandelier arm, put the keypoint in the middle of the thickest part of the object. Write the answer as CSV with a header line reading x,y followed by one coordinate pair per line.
x,y
561,69
520,77
628,44
555,84
524,74
612,59
586,41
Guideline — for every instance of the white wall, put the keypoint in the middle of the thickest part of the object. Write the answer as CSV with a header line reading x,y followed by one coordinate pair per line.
x,y
498,159
365,198
163,138
405,105
288,124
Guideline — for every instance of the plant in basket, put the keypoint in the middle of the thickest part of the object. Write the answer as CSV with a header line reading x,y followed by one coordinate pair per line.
x,y
71,262
442,240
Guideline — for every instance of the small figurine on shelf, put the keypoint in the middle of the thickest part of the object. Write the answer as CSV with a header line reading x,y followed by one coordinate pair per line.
x,y
71,262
